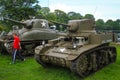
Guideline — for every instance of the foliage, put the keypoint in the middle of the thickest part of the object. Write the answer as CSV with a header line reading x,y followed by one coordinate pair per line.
x,y
74,15
52,16
116,25
109,25
61,16
18,9
89,16
2,27
45,11
100,24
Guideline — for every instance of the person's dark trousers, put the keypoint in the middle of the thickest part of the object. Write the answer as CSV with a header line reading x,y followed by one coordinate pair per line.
x,y
16,52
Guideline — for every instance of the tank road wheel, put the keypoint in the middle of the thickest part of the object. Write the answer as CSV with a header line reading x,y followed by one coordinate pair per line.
x,y
38,59
82,66
113,54
9,47
105,56
93,61
73,66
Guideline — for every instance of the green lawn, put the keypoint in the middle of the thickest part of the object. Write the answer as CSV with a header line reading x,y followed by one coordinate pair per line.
x,y
31,70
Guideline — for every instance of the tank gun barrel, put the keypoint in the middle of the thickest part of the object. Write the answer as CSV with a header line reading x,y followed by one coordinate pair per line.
x,y
15,21
60,23
27,24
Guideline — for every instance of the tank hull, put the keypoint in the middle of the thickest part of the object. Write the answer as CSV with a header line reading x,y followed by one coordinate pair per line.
x,y
85,63
29,40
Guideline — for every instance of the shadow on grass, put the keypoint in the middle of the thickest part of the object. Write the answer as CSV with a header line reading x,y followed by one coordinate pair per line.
x,y
58,73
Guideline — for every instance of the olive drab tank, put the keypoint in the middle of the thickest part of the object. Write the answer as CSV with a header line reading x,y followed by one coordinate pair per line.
x,y
83,50
33,33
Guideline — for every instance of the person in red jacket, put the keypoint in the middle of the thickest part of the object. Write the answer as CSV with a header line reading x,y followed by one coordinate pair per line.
x,y
16,48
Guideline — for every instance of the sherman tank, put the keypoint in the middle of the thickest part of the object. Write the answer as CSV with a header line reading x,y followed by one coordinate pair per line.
x,y
33,33
82,50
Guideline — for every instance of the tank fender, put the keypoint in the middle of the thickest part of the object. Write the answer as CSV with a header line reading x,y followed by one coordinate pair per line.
x,y
92,50
41,49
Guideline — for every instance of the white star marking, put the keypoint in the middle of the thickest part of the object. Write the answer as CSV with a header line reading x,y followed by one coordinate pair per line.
x,y
62,49
43,24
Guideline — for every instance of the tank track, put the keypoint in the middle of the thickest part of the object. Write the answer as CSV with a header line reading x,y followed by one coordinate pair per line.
x,y
24,51
93,60
38,59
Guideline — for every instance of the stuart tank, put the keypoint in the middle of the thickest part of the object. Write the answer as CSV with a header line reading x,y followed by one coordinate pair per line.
x,y
82,50
33,33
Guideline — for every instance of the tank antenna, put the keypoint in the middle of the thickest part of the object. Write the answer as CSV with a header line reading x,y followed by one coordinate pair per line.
x,y
95,10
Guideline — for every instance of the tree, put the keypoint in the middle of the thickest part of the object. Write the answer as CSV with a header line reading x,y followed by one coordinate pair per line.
x,y
109,24
89,16
61,16
116,25
44,12
52,16
18,9
100,24
74,15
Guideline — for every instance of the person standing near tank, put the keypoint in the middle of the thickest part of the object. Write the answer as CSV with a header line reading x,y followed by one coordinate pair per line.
x,y
16,48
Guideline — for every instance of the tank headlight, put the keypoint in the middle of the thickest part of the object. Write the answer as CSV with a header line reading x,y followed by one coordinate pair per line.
x,y
74,45
43,42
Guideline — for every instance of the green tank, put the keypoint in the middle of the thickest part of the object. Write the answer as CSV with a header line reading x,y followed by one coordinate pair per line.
x,y
82,50
33,33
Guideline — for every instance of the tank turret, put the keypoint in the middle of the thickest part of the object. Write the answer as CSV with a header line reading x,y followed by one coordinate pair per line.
x,y
83,50
81,25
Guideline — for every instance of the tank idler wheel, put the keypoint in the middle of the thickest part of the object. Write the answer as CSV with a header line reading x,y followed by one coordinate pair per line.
x,y
82,66
38,59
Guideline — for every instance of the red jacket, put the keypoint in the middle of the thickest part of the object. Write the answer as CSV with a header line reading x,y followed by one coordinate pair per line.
x,y
16,43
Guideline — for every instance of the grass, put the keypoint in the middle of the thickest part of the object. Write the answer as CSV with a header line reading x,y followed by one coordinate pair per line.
x,y
31,70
